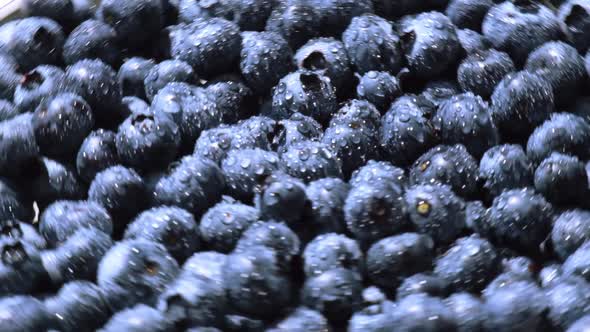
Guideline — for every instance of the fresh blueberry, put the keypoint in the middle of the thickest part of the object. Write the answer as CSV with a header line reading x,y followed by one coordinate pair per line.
x,y
330,251
246,171
206,265
379,88
19,230
505,167
222,225
375,316
581,325
234,100
62,182
282,198
471,41
21,271
61,11
326,199
97,153
132,74
468,311
336,15
273,235
9,77
134,105
36,86
468,13
577,262
357,111
92,39
166,72
296,20
568,300
214,144
575,18
421,312
23,314
481,71
439,91
302,319
549,275
558,178
7,110
375,172
295,129
140,318
311,161
570,230
18,145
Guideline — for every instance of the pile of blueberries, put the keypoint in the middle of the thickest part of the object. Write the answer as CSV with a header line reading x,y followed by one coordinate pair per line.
x,y
295,166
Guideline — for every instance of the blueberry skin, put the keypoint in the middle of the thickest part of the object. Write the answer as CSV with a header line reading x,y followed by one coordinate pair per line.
x,y
336,293
92,39
97,153
134,105
132,74
518,28
577,262
21,271
214,47
515,307
302,319
472,41
23,314
273,235
415,313
521,102
375,172
372,44
330,251
282,198
17,146
305,92
135,271
468,14
61,124
264,59
563,132
436,211
135,21
327,57
430,44
481,71
15,229
550,274
325,213
560,65
392,259
558,178
148,141
166,72
61,11
570,230
222,225
191,10
214,144
77,258
194,185
355,112
9,77
295,129
190,108
469,264
234,100
379,88
170,226
336,15
62,182
580,325
36,86
468,311
255,282
439,90
138,319
246,170
505,167
450,165
122,192
466,118
96,82
519,219
296,21
206,265
32,41
575,19
568,300
63,218
78,306
311,161
407,131
374,318
374,211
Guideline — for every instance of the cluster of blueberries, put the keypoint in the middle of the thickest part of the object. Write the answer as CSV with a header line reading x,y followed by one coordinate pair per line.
x,y
295,166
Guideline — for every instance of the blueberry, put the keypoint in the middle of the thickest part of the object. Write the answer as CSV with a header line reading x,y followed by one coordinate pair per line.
x,y
375,172
379,88
23,314
273,235
234,100
471,41
392,259
580,325
521,102
21,271
474,217
97,153
140,318
36,86
295,129
468,13
17,144
302,319
563,132
519,219
568,300
421,312
77,258
166,72
327,57
517,28
506,280
407,131
9,77
32,41
92,39
481,71
78,306
549,275
311,161
372,44
296,20
246,170
355,111
222,225
172,227
265,58
505,167
19,230
63,218
326,205
330,251
430,43
256,284
193,184
135,271
214,144
574,16
132,74
135,21
282,198
468,311
61,11
577,262
335,293
134,105
436,211
61,124
373,318
62,182
206,265
249,15
570,230
336,15
438,91
148,140
558,178
560,65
